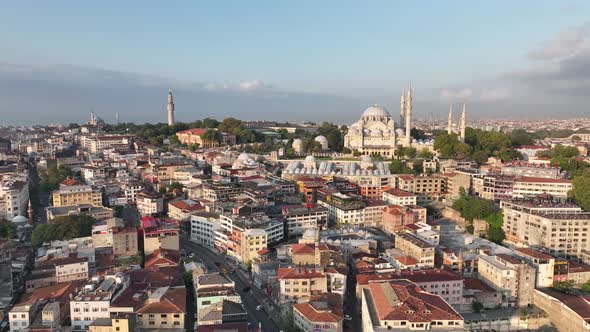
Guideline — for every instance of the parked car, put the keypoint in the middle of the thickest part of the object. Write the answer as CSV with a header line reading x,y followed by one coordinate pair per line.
x,y
259,307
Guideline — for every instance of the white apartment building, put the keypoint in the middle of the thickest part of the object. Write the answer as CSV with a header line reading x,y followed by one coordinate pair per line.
x,y
19,317
204,225
300,219
94,300
400,197
561,227
14,197
533,186
341,210
150,203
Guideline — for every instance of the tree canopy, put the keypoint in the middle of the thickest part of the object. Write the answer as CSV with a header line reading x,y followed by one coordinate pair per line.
x,y
333,134
63,228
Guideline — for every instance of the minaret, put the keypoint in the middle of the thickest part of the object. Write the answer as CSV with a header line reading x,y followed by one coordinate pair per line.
x,y
170,109
450,125
463,124
117,118
402,110
408,115
30,212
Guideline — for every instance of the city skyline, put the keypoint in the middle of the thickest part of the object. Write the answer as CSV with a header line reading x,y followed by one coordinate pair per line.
x,y
283,63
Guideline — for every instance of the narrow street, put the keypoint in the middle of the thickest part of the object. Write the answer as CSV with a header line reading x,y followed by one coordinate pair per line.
x,y
250,299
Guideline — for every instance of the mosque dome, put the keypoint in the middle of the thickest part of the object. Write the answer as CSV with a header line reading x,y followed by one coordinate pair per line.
x,y
19,219
321,139
366,159
375,110
399,132
243,156
309,159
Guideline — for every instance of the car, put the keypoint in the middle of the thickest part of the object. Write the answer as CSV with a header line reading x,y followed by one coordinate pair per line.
x,y
217,263
246,289
192,255
258,308
347,317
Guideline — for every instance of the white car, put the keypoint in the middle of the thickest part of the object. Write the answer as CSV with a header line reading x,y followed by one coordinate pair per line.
x,y
258,308
347,317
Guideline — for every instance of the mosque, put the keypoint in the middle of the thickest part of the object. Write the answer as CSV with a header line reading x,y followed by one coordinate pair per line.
x,y
377,133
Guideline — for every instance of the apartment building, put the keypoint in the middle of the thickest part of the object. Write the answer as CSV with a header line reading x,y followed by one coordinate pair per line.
x,y
428,187
534,186
149,203
193,136
72,192
455,182
94,300
299,284
396,217
447,284
242,234
416,248
96,212
344,209
298,219
159,234
510,275
563,228
212,288
14,197
402,305
183,209
165,308
98,143
544,265
113,234
218,191
203,228
321,313
396,196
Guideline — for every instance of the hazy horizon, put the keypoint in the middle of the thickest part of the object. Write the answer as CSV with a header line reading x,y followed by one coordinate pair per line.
x,y
310,61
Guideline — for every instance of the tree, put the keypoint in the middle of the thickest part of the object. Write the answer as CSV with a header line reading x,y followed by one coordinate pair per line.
x,y
333,135
581,191
480,157
477,306
62,228
519,137
356,153
398,167
425,154
496,235
418,167
118,211
418,134
212,135
346,150
563,286
7,229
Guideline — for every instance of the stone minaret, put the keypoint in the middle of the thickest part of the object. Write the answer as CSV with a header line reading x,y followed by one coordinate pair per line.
x,y
408,115
463,124
450,124
402,110
170,109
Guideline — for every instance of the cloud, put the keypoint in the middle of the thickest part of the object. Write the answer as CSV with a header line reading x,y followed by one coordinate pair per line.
x,y
494,94
254,85
569,42
451,95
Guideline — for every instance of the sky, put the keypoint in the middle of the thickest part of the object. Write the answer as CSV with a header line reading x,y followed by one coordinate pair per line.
x,y
291,60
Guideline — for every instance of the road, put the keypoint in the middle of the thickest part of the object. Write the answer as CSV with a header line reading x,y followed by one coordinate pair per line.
x,y
250,299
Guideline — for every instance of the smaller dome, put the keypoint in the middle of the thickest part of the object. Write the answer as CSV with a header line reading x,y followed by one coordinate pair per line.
x,y
297,141
20,219
366,159
243,156
310,159
321,139
353,131
399,132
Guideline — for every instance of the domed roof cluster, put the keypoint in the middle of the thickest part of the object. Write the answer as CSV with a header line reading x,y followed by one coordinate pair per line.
x,y
310,167
244,160
321,139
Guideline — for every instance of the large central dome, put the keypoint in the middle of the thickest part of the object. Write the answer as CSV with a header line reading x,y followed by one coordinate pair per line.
x,y
375,110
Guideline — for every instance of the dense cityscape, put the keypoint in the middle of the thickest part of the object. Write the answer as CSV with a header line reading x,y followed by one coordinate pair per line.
x,y
231,225
282,166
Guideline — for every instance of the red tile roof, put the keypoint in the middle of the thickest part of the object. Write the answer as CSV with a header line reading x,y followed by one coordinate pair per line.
x,y
332,313
162,257
172,302
542,180
53,292
429,275
226,327
476,284
534,253
399,192
299,273
193,131
403,300
302,249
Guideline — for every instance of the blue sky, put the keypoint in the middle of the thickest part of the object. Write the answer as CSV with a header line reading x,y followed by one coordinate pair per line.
x,y
452,51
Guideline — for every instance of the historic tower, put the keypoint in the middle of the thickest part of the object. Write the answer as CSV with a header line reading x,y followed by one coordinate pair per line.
x,y
402,110
170,109
450,124
408,116
463,124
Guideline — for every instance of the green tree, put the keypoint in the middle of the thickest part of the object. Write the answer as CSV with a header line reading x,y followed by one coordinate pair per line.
x,y
581,191
496,235
333,135
62,228
398,167
477,306
519,137
7,229
425,154
586,286
418,167
564,286
212,135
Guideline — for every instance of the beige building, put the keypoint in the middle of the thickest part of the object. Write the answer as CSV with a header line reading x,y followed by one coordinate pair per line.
x,y
402,305
75,193
418,249
323,313
193,136
399,197
561,227
253,241
533,186
510,275
299,284
568,312
165,308
454,183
